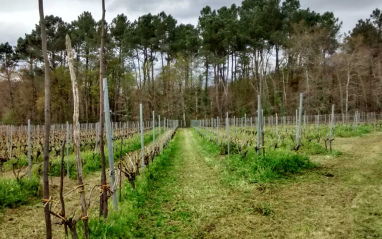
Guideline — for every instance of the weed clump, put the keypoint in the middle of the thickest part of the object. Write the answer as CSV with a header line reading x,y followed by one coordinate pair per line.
x,y
347,131
14,193
273,165
264,209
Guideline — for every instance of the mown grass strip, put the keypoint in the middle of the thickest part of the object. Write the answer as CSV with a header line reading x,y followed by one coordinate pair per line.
x,y
126,223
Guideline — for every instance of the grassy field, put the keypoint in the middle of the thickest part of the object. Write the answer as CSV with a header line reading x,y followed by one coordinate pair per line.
x,y
193,192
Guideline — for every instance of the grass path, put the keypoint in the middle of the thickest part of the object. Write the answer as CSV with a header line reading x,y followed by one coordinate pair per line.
x,y
194,203
341,199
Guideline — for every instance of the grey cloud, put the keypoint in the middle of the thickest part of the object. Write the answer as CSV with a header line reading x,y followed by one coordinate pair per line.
x,y
347,11
17,5
180,9
340,5
8,33
18,17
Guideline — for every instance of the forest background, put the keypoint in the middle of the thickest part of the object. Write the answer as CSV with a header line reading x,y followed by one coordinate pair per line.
x,y
267,47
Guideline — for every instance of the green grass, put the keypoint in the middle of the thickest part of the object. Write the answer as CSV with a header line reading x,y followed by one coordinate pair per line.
x,y
347,131
254,168
314,148
13,193
126,222
273,165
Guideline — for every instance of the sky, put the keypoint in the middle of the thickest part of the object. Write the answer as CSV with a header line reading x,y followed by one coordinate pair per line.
x,y
18,17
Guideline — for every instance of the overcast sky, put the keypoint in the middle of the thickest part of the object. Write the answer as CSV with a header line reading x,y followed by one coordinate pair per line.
x,y
18,17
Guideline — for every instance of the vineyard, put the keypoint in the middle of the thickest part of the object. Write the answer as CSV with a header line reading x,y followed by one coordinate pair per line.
x,y
134,146
308,135
259,119
18,144
256,153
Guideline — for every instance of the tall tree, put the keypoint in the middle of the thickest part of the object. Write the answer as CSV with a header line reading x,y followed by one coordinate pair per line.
x,y
83,31
8,62
118,30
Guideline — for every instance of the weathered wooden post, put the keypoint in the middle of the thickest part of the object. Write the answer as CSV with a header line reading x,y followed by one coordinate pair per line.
x,y
304,121
76,138
142,137
11,143
97,137
355,120
234,127
259,117
318,121
284,123
277,127
262,131
331,129
296,124
67,149
245,128
153,127
109,143
299,122
217,127
29,150
227,129
160,132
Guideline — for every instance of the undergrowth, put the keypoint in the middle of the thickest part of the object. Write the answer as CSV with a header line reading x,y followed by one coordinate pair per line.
x,y
126,222
347,131
14,193
273,165
255,168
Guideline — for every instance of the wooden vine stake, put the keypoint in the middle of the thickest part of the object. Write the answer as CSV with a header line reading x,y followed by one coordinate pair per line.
x,y
76,138
331,129
298,139
160,139
262,131
44,46
142,136
296,124
29,150
103,209
227,129
67,149
259,116
11,143
245,128
153,127
217,129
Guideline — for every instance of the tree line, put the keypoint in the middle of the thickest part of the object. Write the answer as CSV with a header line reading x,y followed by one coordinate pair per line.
x,y
270,48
